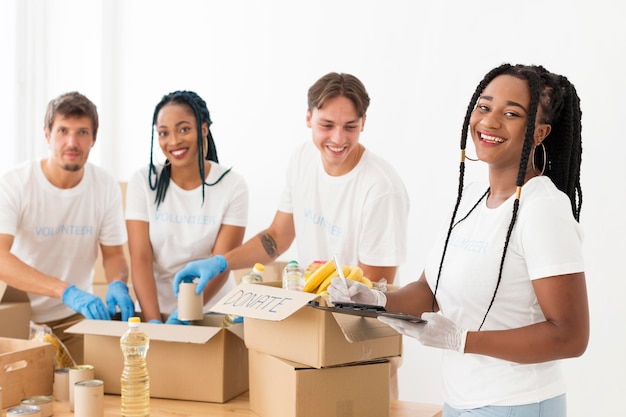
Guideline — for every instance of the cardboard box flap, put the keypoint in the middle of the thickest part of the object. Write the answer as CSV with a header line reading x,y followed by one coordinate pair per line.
x,y
358,329
216,320
163,332
10,294
237,330
264,302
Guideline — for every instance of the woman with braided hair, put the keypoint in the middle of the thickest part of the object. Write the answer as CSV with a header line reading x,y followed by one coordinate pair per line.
x,y
503,291
184,209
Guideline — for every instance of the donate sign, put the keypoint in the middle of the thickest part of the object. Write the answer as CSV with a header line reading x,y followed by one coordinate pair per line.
x,y
261,301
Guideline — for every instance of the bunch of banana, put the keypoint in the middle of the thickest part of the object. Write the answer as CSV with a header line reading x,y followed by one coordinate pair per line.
x,y
312,267
318,280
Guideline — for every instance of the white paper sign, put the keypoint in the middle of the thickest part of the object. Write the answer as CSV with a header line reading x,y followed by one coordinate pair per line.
x,y
262,302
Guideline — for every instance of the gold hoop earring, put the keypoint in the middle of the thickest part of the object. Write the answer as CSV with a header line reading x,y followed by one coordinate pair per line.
x,y
464,157
545,159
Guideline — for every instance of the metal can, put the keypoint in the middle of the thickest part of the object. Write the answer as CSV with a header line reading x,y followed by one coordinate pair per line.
x,y
89,398
44,402
190,304
79,373
24,410
62,384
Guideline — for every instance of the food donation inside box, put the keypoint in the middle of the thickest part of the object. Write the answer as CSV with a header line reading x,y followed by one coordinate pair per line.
x,y
281,323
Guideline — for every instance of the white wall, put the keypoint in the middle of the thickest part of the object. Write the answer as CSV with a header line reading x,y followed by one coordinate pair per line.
x,y
253,63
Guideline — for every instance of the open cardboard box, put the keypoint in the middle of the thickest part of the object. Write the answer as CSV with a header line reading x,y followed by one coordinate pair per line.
x,y
14,313
26,369
203,362
279,322
281,388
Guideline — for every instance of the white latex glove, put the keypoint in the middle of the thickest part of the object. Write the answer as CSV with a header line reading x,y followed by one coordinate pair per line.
x,y
438,331
355,293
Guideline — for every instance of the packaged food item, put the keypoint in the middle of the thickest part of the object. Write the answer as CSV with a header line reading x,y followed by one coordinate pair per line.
x,y
89,400
190,304
135,381
78,373
24,410
44,402
293,276
255,275
44,333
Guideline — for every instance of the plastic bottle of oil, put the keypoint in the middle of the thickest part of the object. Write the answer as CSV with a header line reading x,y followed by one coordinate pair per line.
x,y
135,381
255,275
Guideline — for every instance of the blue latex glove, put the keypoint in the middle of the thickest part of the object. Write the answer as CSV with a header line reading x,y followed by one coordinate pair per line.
x,y
155,321
117,296
205,269
89,305
173,319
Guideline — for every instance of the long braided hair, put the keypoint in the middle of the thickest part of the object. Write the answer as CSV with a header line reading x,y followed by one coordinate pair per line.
x,y
206,145
560,107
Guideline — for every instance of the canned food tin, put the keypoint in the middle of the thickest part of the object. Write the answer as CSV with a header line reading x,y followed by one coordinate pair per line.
x,y
79,373
24,410
89,398
62,384
189,303
44,402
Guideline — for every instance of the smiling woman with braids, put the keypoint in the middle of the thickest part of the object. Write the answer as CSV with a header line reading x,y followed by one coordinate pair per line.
x,y
182,210
503,291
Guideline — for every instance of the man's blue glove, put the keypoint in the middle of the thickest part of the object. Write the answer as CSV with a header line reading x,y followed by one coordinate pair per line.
x,y
89,305
205,269
117,296
155,321
173,319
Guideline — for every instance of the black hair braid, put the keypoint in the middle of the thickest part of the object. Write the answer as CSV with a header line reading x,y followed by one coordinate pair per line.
x,y
576,197
464,132
561,109
206,151
161,182
559,142
566,142
194,102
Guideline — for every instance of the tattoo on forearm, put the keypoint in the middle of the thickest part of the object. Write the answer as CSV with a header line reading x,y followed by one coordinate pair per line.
x,y
269,244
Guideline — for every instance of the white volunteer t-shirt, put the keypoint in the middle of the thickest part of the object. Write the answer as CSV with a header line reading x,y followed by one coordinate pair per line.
x,y
546,241
183,229
57,231
361,215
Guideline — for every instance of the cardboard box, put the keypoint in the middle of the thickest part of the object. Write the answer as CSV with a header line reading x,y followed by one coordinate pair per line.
x,y
14,313
200,363
26,369
280,388
280,323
